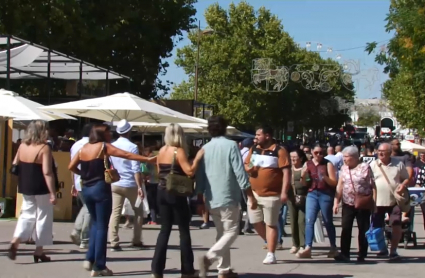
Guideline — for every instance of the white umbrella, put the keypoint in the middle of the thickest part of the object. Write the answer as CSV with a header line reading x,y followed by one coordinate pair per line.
x,y
14,106
153,127
122,106
411,147
187,127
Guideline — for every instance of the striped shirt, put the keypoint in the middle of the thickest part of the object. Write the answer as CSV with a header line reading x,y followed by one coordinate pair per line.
x,y
268,163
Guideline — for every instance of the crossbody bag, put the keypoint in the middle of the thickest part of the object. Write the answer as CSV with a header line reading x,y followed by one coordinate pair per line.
x,y
403,198
176,184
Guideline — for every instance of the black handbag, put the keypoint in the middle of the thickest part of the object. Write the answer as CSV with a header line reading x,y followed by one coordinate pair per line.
x,y
14,170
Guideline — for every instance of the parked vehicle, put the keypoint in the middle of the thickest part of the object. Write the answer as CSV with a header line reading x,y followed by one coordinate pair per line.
x,y
360,138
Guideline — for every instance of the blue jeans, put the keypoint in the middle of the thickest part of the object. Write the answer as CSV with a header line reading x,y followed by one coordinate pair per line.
x,y
282,222
98,198
318,200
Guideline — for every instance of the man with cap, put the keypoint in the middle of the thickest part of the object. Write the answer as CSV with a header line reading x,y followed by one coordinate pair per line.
x,y
128,187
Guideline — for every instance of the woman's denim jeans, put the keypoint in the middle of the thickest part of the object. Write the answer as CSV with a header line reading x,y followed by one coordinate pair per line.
x,y
98,198
318,200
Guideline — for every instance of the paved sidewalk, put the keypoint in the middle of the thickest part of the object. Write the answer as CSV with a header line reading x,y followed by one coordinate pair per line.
x,y
247,257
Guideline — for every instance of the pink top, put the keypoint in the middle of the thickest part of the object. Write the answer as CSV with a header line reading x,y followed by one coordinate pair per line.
x,y
363,182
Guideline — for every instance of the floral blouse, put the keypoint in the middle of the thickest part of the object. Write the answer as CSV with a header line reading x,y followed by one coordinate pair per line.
x,y
363,180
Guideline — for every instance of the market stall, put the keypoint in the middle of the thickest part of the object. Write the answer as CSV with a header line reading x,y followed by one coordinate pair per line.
x,y
408,146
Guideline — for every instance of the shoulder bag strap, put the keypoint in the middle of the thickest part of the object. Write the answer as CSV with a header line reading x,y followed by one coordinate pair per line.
x,y
105,158
36,156
385,176
174,161
351,179
101,150
293,180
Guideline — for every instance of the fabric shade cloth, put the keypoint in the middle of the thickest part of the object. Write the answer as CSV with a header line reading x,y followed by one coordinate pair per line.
x,y
31,61
21,109
122,106
407,146
187,127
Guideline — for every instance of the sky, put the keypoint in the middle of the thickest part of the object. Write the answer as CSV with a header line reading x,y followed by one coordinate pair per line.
x,y
345,25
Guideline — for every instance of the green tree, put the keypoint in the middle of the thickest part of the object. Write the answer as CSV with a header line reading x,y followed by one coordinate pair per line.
x,y
128,36
368,117
184,91
234,38
404,60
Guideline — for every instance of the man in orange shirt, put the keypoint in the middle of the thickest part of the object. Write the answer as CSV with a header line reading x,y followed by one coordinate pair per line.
x,y
268,166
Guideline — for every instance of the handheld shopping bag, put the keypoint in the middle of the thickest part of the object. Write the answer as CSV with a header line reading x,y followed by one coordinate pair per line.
x,y
376,238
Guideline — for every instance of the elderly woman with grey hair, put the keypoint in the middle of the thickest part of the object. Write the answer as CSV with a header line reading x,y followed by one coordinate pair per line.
x,y
356,188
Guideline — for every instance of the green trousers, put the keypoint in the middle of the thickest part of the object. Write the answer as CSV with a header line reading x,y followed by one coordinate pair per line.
x,y
297,215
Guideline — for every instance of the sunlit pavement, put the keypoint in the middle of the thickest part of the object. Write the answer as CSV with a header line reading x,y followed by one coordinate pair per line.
x,y
247,257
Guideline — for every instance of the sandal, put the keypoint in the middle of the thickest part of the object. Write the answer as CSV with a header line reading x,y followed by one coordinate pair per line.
x,y
12,252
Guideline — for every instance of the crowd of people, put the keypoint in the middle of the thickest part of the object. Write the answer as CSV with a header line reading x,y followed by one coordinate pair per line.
x,y
257,177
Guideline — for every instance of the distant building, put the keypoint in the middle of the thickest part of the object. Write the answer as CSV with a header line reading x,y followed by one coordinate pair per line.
x,y
381,106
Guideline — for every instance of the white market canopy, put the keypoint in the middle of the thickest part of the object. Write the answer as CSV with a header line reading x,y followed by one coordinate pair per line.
x,y
408,146
187,127
30,61
122,106
22,109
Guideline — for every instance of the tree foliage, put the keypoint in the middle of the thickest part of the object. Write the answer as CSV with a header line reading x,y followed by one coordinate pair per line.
x,y
128,36
404,60
237,36
368,117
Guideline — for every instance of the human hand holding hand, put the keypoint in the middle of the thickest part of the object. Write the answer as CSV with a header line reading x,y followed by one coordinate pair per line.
x,y
152,159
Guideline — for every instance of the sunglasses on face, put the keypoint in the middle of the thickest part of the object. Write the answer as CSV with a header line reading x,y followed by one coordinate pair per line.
x,y
317,153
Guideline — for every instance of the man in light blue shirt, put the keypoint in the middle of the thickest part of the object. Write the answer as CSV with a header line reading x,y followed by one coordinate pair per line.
x,y
220,178
128,187
337,161
80,234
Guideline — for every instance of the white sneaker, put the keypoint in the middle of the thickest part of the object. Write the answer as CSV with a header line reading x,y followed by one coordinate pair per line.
x,y
84,245
270,258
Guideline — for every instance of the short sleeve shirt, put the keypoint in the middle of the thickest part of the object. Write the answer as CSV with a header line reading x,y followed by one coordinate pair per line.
x,y
267,180
357,180
396,173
